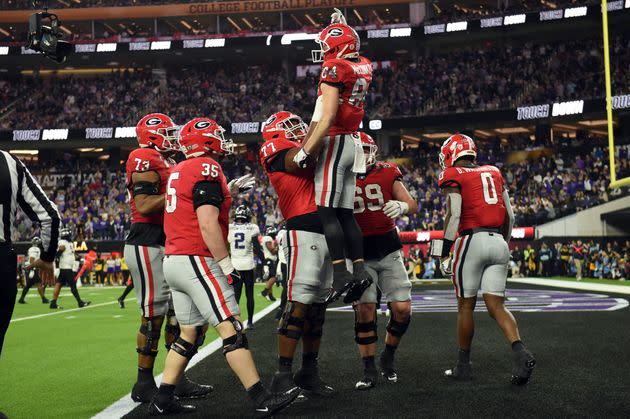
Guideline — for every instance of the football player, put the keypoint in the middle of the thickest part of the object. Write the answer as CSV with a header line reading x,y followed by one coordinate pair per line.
x,y
478,208
243,238
65,254
270,251
32,275
281,270
147,173
380,198
127,281
308,263
200,272
333,140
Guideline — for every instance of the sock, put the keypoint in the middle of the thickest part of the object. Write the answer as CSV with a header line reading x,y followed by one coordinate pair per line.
x,y
517,346
309,359
388,353
165,393
463,356
285,364
257,393
145,374
368,363
339,267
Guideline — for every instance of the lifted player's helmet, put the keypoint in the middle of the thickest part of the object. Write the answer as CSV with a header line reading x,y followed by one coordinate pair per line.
x,y
243,213
36,241
271,231
336,41
157,130
65,234
201,136
285,125
455,147
369,149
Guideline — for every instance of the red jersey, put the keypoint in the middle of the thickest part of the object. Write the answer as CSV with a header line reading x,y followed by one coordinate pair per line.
x,y
372,191
183,236
353,80
147,160
296,191
481,188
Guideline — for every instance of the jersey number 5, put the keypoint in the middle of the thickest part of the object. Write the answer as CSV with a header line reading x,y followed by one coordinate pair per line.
x,y
171,193
489,190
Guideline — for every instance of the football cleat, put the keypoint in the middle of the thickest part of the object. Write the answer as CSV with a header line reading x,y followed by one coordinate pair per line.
x,y
358,286
84,304
461,372
310,381
368,381
20,301
342,281
45,300
172,407
523,363
250,325
387,369
282,381
274,402
143,392
187,389
121,303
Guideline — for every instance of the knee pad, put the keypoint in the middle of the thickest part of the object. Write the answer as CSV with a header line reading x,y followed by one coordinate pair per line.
x,y
172,327
288,319
396,328
237,341
364,328
152,333
316,316
187,349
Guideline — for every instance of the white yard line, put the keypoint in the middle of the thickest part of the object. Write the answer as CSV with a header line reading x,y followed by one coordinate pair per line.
x,y
63,311
125,405
585,286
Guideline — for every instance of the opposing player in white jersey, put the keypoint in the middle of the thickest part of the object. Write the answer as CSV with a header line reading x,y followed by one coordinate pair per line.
x,y
32,275
244,245
270,252
281,270
65,254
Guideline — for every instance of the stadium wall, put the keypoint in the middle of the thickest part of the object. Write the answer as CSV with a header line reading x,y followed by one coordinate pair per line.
x,y
586,223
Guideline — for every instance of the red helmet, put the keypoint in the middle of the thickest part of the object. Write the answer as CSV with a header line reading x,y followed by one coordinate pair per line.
x,y
285,125
157,130
201,136
454,147
369,149
336,41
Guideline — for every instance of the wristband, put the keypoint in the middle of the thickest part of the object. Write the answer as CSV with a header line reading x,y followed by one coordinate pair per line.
x,y
226,265
404,207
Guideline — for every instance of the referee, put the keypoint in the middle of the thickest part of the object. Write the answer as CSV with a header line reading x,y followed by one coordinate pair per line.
x,y
18,188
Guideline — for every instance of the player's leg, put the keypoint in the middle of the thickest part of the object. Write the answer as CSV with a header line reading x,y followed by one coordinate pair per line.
x,y
248,281
56,291
365,333
238,287
270,265
41,288
128,289
68,279
30,277
283,295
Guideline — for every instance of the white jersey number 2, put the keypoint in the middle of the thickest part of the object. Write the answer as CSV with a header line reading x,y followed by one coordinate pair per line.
x,y
489,190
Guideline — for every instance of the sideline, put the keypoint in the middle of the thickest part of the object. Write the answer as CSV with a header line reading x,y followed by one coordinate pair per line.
x,y
125,405
63,311
585,286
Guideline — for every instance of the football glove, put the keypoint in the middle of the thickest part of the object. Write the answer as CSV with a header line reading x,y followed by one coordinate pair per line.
x,y
395,208
302,159
337,17
242,184
228,270
446,266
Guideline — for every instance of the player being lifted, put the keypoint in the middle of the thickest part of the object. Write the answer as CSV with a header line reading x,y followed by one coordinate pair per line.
x,y
244,244
147,172
309,265
478,208
333,140
199,269
380,198
32,275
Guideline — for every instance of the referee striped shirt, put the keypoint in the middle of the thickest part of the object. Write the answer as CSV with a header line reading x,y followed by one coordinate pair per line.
x,y
18,188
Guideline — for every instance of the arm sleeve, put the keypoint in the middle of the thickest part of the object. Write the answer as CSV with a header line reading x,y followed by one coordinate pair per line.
x,y
455,209
38,208
510,215
257,248
145,188
207,192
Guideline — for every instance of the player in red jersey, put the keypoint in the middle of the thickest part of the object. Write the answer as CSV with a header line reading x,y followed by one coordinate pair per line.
x,y
308,263
199,271
478,208
380,198
147,171
333,140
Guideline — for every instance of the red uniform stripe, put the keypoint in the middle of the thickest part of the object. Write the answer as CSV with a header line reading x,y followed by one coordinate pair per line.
x,y
216,286
331,146
147,263
454,266
293,264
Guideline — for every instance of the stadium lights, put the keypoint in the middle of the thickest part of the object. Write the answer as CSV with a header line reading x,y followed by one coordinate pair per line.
x,y
456,26
567,108
491,22
125,132
26,135
575,12
160,45
4,50
514,19
215,43
627,4
106,47
55,134
139,46
288,38
375,124
399,32
25,152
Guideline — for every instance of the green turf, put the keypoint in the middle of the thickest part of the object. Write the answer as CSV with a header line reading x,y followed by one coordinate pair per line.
x,y
593,280
72,364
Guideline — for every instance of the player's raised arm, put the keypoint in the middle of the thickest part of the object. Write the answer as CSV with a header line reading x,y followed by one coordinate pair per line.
x,y
145,188
508,224
325,112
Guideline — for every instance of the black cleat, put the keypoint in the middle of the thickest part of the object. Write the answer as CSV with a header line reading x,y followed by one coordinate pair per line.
x,y
282,381
249,326
20,301
173,407
312,384
523,363
45,300
84,304
143,392
187,389
54,306
342,281
368,381
121,302
387,369
461,372
275,402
